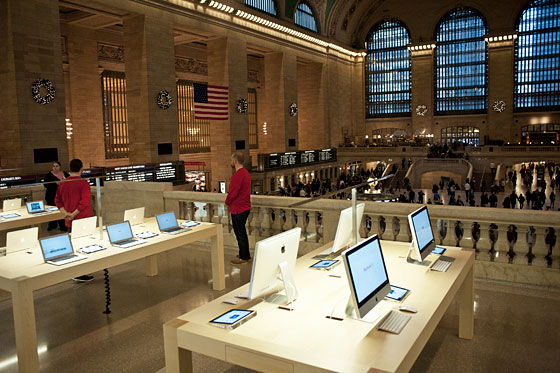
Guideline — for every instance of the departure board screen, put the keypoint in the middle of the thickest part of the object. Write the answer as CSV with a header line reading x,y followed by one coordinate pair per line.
x,y
17,181
294,159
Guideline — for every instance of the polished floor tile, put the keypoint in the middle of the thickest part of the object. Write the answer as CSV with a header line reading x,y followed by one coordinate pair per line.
x,y
516,328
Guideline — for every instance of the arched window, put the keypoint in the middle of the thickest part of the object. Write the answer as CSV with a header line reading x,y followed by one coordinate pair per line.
x,y
537,57
461,63
267,6
387,74
304,17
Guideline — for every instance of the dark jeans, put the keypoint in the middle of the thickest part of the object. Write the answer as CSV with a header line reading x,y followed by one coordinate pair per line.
x,y
238,221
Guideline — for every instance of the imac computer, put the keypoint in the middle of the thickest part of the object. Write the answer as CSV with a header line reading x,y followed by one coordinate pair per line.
x,y
423,241
367,278
343,235
274,261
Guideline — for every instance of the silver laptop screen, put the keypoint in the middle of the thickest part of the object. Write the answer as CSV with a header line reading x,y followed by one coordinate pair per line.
x,y
119,232
56,246
167,220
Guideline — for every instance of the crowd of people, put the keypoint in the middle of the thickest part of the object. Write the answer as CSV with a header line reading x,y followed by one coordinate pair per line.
x,y
456,195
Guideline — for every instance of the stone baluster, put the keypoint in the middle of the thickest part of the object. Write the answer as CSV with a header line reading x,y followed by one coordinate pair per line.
x,y
459,231
282,219
382,226
275,224
441,229
550,241
367,226
305,221
249,225
311,226
493,235
293,219
475,236
531,239
511,235
207,212
396,226
319,226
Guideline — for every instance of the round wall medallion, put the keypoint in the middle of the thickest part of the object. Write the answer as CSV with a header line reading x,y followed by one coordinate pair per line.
x,y
242,106
421,110
164,100
36,91
499,106
293,109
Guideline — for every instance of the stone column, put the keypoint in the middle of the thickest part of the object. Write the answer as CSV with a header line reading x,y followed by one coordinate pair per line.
x,y
85,107
30,50
280,75
150,68
422,70
312,131
227,67
500,88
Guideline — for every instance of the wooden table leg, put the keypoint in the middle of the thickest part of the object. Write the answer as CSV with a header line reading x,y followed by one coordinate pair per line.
x,y
176,359
25,328
217,254
151,266
466,307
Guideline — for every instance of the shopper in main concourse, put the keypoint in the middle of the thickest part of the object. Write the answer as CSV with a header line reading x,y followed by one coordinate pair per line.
x,y
239,202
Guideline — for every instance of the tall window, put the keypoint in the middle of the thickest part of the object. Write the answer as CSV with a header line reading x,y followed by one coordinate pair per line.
x,y
388,70
194,134
252,113
461,63
304,17
267,6
115,125
537,57
464,134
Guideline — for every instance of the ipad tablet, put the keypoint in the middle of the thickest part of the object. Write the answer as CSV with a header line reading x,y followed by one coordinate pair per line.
x,y
9,216
52,209
397,293
325,264
145,235
91,249
189,224
233,318
438,250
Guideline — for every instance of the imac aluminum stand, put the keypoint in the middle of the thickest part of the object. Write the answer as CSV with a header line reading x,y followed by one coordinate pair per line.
x,y
374,316
410,259
289,287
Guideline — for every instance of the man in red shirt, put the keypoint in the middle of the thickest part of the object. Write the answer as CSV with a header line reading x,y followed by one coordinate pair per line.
x,y
239,202
73,199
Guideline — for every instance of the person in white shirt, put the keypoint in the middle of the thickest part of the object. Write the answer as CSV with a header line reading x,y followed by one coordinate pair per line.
x,y
467,191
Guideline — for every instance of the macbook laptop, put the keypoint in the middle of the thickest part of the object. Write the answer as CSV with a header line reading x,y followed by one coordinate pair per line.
x,y
134,216
11,204
120,235
22,240
83,227
36,207
167,223
58,250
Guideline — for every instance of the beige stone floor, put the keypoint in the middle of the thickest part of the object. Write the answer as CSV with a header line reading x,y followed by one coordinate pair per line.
x,y
516,327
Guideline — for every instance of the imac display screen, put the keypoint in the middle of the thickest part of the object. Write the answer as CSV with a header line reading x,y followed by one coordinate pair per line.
x,y
367,270
422,229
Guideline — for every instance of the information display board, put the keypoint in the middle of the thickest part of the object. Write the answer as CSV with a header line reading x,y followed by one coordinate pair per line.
x,y
18,181
275,161
165,172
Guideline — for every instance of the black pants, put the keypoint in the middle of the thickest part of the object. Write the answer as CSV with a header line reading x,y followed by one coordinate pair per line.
x,y
238,221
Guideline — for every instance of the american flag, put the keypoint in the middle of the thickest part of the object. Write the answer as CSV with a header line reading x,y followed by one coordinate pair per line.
x,y
210,102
